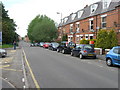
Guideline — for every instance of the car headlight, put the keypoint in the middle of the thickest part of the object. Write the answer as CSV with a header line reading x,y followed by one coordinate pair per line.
x,y
2,50
107,53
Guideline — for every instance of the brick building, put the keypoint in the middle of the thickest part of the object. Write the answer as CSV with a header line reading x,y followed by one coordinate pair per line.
x,y
85,23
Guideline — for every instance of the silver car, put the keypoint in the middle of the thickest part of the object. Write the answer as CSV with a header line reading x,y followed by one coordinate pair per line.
x,y
3,53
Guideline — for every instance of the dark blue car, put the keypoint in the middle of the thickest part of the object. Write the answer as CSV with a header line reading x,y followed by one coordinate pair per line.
x,y
113,56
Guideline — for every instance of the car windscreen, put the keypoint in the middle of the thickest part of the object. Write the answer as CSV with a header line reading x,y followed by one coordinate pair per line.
x,y
47,43
88,47
78,46
116,50
55,44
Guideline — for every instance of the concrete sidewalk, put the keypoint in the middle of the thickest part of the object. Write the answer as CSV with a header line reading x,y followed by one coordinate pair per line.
x,y
11,67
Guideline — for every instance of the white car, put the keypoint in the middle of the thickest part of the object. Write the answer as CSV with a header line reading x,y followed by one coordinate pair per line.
x,y
3,53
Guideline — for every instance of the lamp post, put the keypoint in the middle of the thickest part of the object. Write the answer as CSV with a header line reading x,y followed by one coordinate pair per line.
x,y
61,33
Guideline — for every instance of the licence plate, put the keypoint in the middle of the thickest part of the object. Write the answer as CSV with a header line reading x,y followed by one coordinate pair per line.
x,y
90,55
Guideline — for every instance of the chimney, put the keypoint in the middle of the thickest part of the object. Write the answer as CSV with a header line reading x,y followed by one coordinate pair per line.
x,y
86,6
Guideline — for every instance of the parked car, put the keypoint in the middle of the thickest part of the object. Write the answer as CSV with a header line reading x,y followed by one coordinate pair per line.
x,y
46,45
113,56
53,46
3,53
83,50
36,44
32,45
65,47
41,44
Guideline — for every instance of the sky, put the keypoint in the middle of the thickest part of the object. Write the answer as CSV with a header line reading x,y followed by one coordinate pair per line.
x,y
23,11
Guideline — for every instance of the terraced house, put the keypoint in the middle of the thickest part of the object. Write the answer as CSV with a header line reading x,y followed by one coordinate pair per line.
x,y
85,23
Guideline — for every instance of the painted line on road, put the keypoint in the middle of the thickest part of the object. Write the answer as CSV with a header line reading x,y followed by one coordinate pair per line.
x,y
4,66
8,83
11,69
32,75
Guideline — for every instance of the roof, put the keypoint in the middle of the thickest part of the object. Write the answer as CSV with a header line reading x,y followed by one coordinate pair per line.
x,y
87,11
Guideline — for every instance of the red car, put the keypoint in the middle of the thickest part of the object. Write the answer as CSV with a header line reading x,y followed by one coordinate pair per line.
x,y
46,45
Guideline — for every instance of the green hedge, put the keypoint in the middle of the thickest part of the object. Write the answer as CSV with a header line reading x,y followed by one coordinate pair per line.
x,y
6,46
87,41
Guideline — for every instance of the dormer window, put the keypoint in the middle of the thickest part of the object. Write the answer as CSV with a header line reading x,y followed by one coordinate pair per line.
x,y
73,16
65,20
93,8
106,3
80,13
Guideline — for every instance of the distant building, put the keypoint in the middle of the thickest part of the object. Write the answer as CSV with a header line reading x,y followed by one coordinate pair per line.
x,y
26,39
85,23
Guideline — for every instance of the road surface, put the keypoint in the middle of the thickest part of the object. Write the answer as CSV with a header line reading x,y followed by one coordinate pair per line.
x,y
56,70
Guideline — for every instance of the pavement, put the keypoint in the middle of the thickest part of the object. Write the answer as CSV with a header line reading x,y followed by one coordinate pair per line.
x,y
11,68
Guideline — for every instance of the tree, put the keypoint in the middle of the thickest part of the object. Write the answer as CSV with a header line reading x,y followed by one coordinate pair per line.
x,y
42,28
101,39
64,38
111,39
106,39
8,27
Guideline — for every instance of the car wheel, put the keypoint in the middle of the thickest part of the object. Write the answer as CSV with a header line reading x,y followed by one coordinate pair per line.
x,y
58,50
81,56
71,53
52,49
109,62
94,57
63,51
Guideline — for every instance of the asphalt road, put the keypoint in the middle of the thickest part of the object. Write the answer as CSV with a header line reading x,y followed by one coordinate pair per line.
x,y
56,70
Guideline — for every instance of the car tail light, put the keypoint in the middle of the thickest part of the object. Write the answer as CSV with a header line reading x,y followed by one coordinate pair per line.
x,y
94,51
85,51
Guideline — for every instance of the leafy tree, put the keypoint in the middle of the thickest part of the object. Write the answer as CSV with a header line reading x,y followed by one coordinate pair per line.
x,y
64,38
42,28
111,39
8,27
106,39
101,39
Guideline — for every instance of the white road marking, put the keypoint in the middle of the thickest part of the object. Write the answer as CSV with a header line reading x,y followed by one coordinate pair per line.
x,y
23,80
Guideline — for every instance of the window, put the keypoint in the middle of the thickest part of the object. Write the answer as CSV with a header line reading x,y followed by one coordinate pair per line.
x,y
77,27
91,37
79,46
103,23
88,47
94,8
86,36
71,28
73,16
91,25
106,3
65,20
116,50
80,13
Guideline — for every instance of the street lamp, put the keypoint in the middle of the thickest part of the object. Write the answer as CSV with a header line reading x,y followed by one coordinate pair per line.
x,y
61,33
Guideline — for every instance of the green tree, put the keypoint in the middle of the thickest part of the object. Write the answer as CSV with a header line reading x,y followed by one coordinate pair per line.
x,y
8,27
64,38
106,39
111,39
42,28
101,39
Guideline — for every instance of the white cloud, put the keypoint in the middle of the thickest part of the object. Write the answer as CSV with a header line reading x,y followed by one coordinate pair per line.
x,y
24,11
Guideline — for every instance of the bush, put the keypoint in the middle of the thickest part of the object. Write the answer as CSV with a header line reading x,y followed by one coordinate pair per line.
x,y
106,39
84,41
64,38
